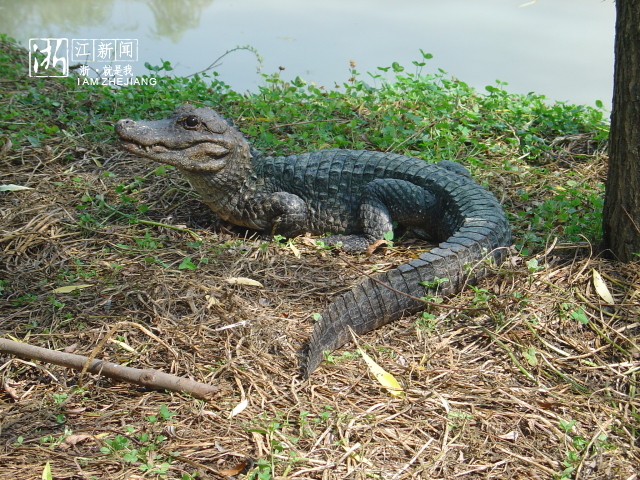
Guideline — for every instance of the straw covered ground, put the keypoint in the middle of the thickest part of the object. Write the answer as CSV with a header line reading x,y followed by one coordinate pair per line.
x,y
531,374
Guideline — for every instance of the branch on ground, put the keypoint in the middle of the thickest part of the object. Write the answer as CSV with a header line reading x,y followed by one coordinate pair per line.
x,y
146,378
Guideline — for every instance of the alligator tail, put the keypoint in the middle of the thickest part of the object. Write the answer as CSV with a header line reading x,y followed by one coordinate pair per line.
x,y
370,304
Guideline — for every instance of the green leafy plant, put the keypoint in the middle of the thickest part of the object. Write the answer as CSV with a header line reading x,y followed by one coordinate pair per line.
x,y
144,449
481,296
187,264
434,284
426,322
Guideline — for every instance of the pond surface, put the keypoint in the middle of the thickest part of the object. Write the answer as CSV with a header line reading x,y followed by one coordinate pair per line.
x,y
560,48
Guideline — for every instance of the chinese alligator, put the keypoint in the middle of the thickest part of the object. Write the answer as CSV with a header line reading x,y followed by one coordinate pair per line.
x,y
357,196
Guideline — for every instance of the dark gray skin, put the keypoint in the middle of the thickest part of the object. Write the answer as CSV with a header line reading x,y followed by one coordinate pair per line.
x,y
354,195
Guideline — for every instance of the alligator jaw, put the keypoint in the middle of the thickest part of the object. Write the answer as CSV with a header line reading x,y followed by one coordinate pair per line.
x,y
144,150
201,157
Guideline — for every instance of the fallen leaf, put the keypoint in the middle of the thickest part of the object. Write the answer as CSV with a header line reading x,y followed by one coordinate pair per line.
x,y
74,439
123,345
513,436
601,287
70,288
308,241
239,408
71,348
13,188
46,472
5,147
358,458
75,411
374,246
387,380
209,413
12,392
244,281
211,300
295,250
234,470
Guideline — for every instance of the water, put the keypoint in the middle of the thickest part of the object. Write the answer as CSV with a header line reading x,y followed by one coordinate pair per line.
x,y
560,48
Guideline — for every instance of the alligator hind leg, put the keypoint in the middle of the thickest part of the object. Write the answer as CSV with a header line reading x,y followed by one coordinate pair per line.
x,y
383,202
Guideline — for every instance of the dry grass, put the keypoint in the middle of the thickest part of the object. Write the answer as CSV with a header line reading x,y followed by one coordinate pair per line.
x,y
508,392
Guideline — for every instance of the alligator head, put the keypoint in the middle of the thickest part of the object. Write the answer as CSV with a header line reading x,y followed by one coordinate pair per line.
x,y
192,139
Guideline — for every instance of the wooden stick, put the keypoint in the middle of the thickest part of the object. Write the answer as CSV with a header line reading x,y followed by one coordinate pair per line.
x,y
146,378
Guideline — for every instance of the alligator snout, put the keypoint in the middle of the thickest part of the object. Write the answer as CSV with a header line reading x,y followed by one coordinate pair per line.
x,y
122,125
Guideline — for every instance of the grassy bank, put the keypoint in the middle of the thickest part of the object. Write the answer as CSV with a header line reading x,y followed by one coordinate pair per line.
x,y
541,383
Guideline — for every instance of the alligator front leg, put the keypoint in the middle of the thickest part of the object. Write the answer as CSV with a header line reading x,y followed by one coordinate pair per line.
x,y
286,214
383,202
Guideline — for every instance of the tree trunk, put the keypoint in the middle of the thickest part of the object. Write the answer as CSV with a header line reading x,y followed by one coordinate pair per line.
x,y
621,216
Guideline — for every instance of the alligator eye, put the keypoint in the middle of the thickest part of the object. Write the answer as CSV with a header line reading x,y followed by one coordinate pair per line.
x,y
191,121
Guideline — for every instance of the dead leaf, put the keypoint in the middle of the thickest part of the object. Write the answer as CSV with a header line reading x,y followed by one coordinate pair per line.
x,y
5,147
123,345
70,288
12,392
71,348
209,413
601,287
513,436
13,188
385,379
308,241
75,439
514,260
211,300
239,408
356,457
374,246
75,411
295,250
244,281
234,470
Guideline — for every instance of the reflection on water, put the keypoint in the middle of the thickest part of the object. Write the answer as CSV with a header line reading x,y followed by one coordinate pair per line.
x,y
40,18
173,18
560,48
